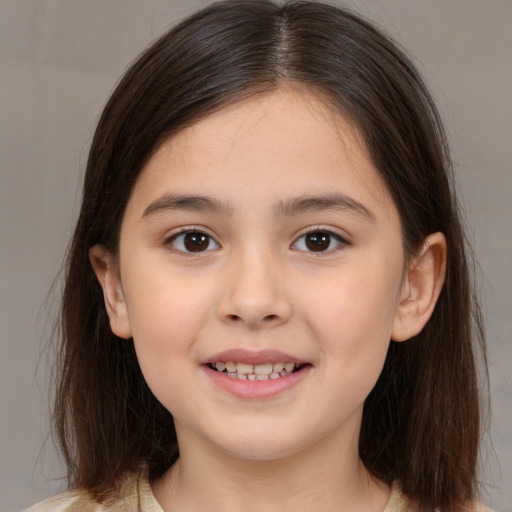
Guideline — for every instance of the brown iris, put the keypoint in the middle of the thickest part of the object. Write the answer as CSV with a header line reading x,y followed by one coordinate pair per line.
x,y
318,241
196,242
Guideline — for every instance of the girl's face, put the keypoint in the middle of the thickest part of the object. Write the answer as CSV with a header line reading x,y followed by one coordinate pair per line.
x,y
261,239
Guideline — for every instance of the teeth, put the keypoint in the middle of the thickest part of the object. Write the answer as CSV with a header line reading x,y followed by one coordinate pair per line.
x,y
231,367
263,369
244,368
244,371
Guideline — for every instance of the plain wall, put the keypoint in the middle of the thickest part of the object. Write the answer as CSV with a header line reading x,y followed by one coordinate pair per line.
x,y
59,59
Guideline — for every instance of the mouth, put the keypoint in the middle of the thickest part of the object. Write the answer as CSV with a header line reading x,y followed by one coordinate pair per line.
x,y
256,372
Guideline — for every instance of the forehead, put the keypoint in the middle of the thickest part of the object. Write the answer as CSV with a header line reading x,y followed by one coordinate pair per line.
x,y
286,143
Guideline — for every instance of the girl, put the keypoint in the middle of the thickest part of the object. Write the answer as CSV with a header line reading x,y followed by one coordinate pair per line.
x,y
267,301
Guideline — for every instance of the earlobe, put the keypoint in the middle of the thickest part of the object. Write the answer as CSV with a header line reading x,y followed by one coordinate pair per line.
x,y
421,288
106,269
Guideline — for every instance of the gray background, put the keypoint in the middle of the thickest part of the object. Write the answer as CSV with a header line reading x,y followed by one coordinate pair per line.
x,y
59,59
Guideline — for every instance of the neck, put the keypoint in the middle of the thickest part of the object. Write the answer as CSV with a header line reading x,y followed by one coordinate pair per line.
x,y
321,477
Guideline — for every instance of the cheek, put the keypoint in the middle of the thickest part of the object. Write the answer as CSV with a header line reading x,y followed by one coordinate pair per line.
x,y
358,303
354,336
162,300
166,315
164,330
353,322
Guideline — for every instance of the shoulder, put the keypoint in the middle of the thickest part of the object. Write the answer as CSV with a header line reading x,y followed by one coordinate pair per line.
x,y
478,507
65,502
398,502
75,501
126,498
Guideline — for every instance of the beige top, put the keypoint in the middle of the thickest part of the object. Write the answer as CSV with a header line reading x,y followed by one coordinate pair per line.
x,y
135,495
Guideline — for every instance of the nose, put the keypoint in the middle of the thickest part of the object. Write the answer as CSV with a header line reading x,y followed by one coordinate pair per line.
x,y
254,293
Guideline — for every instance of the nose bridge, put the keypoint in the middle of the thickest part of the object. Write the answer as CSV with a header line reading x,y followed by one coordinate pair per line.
x,y
254,288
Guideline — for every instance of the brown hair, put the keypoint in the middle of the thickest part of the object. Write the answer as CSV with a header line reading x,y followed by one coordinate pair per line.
x,y
421,422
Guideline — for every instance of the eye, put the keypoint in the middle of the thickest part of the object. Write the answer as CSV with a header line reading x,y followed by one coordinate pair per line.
x,y
192,241
319,241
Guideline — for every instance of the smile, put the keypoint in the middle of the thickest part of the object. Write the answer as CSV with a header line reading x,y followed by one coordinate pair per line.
x,y
259,372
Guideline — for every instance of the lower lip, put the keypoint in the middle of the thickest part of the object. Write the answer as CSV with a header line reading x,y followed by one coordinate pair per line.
x,y
256,389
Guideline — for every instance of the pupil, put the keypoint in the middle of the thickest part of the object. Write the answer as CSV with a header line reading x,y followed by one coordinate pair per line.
x,y
195,242
318,241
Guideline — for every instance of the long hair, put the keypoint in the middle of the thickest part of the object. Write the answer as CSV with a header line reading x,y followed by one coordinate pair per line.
x,y
421,422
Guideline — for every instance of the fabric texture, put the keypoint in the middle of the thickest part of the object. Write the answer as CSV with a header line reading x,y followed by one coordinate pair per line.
x,y
135,495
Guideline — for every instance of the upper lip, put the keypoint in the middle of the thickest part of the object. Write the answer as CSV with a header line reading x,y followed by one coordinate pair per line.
x,y
241,355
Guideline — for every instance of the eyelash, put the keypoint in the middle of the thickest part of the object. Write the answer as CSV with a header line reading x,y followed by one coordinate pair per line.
x,y
341,242
169,241
191,230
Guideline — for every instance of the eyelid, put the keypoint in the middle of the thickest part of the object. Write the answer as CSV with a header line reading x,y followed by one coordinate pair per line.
x,y
343,242
183,230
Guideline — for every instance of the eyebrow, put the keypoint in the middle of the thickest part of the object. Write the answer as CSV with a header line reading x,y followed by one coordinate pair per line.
x,y
286,208
303,204
188,203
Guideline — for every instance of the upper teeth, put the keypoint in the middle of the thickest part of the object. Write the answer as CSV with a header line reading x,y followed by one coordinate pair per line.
x,y
256,369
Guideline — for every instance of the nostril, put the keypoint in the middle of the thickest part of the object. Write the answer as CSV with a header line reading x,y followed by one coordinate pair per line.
x,y
266,319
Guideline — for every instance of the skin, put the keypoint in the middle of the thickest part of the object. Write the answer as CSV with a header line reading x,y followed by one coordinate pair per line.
x,y
258,285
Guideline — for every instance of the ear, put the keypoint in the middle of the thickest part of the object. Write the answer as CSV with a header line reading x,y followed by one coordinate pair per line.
x,y
106,269
421,288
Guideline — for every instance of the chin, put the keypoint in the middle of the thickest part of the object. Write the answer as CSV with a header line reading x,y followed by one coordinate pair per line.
x,y
262,445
